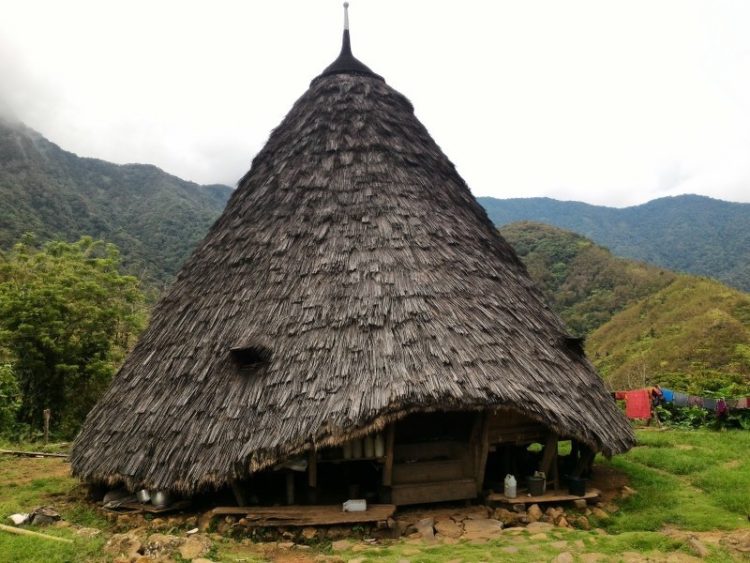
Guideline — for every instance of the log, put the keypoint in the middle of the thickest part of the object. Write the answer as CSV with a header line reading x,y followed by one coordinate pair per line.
x,y
25,532
32,454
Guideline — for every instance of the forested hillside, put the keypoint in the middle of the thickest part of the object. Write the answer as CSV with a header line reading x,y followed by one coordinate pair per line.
x,y
583,282
154,217
689,233
642,324
693,334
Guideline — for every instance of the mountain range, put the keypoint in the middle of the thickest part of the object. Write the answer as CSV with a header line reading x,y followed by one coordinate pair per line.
x,y
688,233
640,320
156,219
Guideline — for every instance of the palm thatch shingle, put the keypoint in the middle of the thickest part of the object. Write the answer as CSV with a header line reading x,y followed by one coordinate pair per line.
x,y
352,279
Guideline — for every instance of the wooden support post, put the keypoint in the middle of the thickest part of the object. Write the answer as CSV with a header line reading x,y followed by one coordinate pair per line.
x,y
239,494
289,486
483,450
47,414
550,451
312,468
390,439
584,463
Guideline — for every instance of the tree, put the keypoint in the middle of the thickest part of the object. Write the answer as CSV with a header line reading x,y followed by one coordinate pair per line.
x,y
67,318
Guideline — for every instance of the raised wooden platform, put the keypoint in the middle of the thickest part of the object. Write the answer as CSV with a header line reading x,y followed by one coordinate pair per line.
x,y
548,497
314,515
433,491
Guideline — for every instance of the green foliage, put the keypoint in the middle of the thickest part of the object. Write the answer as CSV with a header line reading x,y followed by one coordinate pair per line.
x,y
686,336
583,282
663,231
10,399
155,219
67,316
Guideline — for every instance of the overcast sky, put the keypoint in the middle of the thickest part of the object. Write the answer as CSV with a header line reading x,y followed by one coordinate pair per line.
x,y
612,103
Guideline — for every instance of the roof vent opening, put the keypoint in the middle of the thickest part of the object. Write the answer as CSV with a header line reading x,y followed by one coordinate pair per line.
x,y
250,357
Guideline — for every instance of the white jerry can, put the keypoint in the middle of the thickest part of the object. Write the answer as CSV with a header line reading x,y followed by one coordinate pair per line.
x,y
510,486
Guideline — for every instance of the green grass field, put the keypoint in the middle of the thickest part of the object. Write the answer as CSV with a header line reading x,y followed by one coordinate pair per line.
x,y
687,482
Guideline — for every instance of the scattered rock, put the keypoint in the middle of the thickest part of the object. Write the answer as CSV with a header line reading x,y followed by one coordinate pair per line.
x,y
88,532
158,544
535,527
309,533
482,529
44,516
508,517
562,522
580,503
202,560
19,519
357,560
128,545
448,528
561,544
697,547
541,536
281,545
626,492
510,549
599,513
582,522
534,513
195,546
341,545
425,528
564,557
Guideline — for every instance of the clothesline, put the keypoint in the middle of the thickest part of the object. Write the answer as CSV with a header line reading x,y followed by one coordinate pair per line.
x,y
639,402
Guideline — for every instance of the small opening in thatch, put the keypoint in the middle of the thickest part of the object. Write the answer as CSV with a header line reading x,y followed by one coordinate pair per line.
x,y
247,357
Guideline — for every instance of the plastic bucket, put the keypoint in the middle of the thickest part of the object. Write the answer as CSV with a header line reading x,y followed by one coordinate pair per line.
x,y
576,486
537,486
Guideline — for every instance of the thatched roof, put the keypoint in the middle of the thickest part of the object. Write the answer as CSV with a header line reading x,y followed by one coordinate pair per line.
x,y
352,278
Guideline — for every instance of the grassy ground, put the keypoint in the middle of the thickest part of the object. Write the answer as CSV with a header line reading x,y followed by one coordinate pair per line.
x,y
687,482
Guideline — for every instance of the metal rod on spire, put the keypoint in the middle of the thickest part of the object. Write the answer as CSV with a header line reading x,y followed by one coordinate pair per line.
x,y
346,15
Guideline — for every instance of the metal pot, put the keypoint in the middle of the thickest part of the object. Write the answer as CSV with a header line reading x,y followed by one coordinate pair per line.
x,y
143,496
161,499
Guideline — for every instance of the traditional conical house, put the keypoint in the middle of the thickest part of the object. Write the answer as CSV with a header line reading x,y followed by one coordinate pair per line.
x,y
353,314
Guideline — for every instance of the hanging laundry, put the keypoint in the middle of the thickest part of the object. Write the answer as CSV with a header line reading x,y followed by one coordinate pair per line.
x,y
709,404
680,399
638,404
695,401
668,395
620,395
742,403
721,408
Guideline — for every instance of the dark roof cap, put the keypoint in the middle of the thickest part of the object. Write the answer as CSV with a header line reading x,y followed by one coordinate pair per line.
x,y
346,63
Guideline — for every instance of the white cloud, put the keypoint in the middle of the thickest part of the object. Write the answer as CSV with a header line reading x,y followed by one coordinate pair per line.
x,y
607,102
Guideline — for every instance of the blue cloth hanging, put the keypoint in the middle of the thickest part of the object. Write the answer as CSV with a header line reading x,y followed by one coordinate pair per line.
x,y
667,395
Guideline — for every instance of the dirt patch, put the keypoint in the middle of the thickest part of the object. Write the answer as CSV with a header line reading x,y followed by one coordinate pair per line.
x,y
684,447
609,481
734,464
24,470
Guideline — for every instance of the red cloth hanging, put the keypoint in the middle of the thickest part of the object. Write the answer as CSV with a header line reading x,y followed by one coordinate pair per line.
x,y
620,395
638,404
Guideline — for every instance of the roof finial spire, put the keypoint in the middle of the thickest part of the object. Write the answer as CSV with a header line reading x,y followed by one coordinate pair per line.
x,y
346,63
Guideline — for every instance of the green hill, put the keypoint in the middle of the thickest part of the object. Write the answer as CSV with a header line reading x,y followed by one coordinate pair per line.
x,y
643,324
155,218
688,233
693,334
583,282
